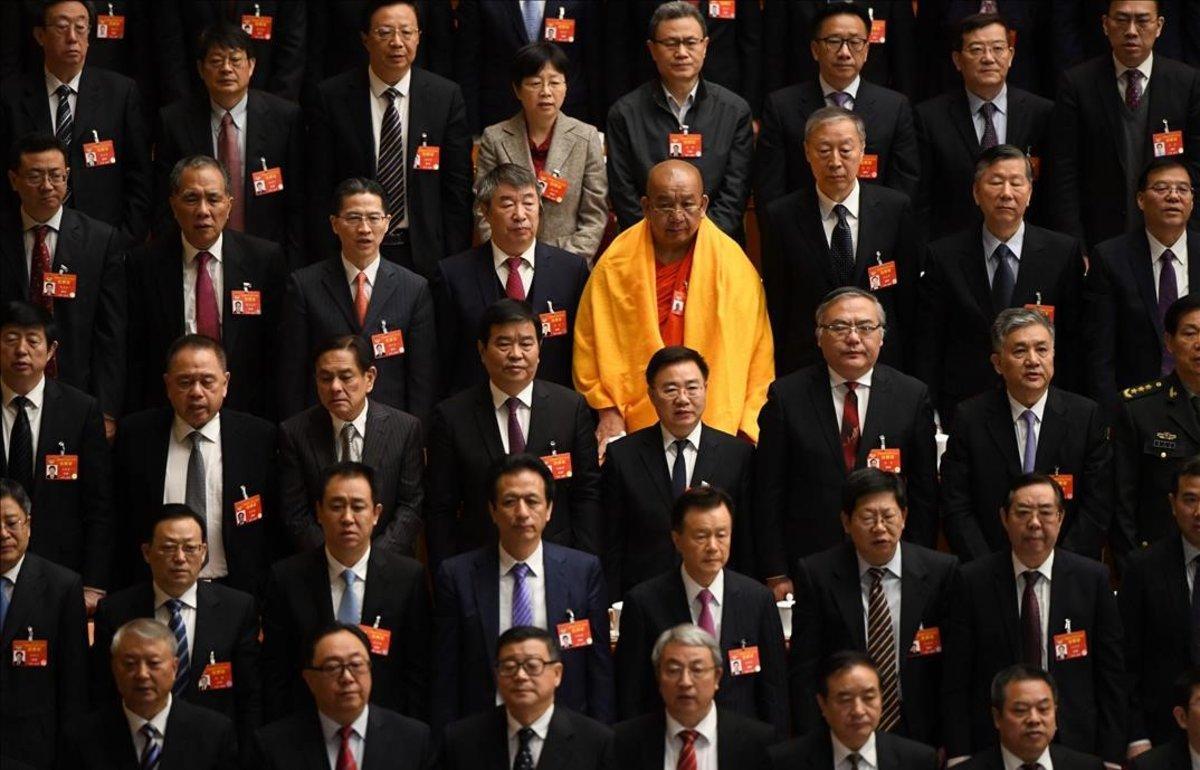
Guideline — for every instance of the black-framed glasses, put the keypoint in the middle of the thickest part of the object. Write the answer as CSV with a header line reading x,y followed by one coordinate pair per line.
x,y
834,44
334,668
531,666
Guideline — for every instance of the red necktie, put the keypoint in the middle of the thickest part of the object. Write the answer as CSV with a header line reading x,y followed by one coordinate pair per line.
x,y
39,265
513,288
361,300
345,758
850,430
687,752
231,158
208,321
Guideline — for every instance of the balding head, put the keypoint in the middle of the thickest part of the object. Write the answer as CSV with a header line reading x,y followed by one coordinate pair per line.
x,y
671,173
673,205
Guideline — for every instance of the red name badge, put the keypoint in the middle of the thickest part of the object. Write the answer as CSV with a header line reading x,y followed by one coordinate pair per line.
x,y
1067,483
380,638
387,344
1012,38
30,653
884,459
559,465
62,467
878,31
577,633
216,676
560,30
429,158
1036,162
110,27
722,9
1046,310
554,324
267,181
685,145
59,285
99,153
678,302
882,276
553,188
1168,143
744,660
928,641
257,27
246,302
1070,645
248,510
869,168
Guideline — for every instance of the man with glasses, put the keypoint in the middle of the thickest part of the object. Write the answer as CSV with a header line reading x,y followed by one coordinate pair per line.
x,y
349,729
528,729
1040,605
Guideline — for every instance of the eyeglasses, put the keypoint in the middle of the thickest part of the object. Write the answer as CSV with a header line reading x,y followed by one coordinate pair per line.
x,y
189,549
553,84
35,178
843,329
675,43
869,520
691,390
531,667
355,218
977,50
385,34
674,671
237,61
834,44
335,668
687,209
1163,189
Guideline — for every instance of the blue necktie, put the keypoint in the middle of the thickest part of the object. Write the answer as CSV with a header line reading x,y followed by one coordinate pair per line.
x,y
1030,441
841,246
524,759
349,610
4,600
532,12
1003,281
181,648
153,751
522,605
679,469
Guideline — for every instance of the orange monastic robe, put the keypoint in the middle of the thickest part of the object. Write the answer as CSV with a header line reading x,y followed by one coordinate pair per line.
x,y
671,283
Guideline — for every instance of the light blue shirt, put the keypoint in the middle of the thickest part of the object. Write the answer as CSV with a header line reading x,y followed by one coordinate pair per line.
x,y
990,242
999,117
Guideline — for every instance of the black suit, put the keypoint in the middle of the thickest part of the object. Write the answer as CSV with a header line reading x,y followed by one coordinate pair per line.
x,y
814,751
956,312
1091,198
318,305
274,134
464,441
467,284
741,741
341,145
156,319
798,270
91,325
109,105
828,617
800,469
37,702
392,447
982,461
392,741
298,602
983,635
950,147
749,617
248,462
1062,757
636,497
1172,756
780,164
75,518
573,742
196,738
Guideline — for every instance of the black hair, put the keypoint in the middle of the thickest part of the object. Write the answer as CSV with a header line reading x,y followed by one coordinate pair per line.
x,y
195,342
353,343
23,315
678,9
865,482
329,629
1189,468
364,21
838,662
671,355
34,142
88,5
1179,308
506,311
518,634
701,498
1033,480
224,35
1159,164
12,490
357,185
510,465
1183,687
1019,672
347,469
829,10
530,59
978,21
170,512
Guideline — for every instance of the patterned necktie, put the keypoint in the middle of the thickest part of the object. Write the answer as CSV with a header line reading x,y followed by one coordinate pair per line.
x,y
195,494
679,468
1003,280
841,247
524,758
390,170
1032,642
39,265
989,139
522,604
706,620
175,607
1029,418
513,288
516,439
345,757
1133,89
230,156
153,749
362,299
1196,610
348,433
687,750
881,646
208,318
853,760
63,122
5,585
20,446
349,611
531,12
1168,292
840,99
850,427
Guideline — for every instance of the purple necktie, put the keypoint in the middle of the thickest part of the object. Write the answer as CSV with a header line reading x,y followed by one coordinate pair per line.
x,y
516,439
989,139
1133,89
522,606
1030,441
1168,292
706,618
841,99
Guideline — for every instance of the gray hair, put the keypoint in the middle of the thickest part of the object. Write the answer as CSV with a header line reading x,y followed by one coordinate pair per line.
x,y
146,628
1013,318
847,292
687,635
506,173
994,155
677,9
831,115
198,161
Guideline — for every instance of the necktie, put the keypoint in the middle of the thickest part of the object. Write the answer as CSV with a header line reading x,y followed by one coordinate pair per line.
x,y
1032,642
679,468
989,139
532,14
1133,89
175,607
1031,766
230,157
687,750
705,620
1168,292
1028,417
390,171
153,749
345,757
524,759
881,646
208,320
349,611
522,605
39,265
195,494
5,583
348,433
841,99
361,299
1195,611
63,122
853,759
516,439
850,429
841,247
20,447
1003,279
987,6
513,288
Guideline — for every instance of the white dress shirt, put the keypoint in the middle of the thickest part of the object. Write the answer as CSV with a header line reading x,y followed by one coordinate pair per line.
x,y
12,574
1190,552
187,612
238,113
331,732
136,723
52,84
891,585
337,584
1179,250
1145,68
680,111
868,758
525,270
352,272
1195,757
28,224
1014,244
829,218
216,272
692,589
179,452
1013,762
999,117
851,89
1017,409
1042,591
705,746
690,450
379,105
33,411
837,384
540,727
356,441
535,583
524,411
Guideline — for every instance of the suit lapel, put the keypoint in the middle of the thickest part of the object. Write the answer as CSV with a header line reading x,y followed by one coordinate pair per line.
x,y
168,273
1017,133
1053,431
708,457
208,614
70,252
513,12
378,438
516,141
199,127
233,262
868,241
914,592
338,289
1109,99
419,129
872,430
358,108
822,401
960,117
50,434
26,596
1031,278
654,460
36,103
485,421
810,222
376,590
317,577
556,585
847,593
485,276
540,428
487,597
731,614
87,104
258,125
556,751
562,142
973,263
387,283
1000,427
1004,583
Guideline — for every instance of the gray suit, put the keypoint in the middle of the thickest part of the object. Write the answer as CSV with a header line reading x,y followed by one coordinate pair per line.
x,y
577,224
392,447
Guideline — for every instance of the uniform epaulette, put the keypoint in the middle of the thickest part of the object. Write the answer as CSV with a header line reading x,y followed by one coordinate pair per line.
x,y
1137,391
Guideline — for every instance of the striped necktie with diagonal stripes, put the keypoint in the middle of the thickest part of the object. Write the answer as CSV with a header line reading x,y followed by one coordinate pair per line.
x,y
881,646
153,749
390,168
174,606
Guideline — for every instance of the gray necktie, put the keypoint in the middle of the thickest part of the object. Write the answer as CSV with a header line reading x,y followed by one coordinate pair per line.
x,y
1030,441
348,434
349,611
196,495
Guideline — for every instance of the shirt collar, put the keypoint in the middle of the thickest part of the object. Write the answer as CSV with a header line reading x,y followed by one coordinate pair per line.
x,y
211,430
1190,552
359,423
330,728
352,272
1046,570
534,562
688,102
851,89
893,566
1013,762
378,86
1018,409
1144,68
15,571
1000,102
1014,244
36,396
499,257
1178,248
55,221
693,437
159,720
190,251
500,398
237,112
336,568
188,597
707,727
540,726
836,379
826,204
693,589
866,751
52,82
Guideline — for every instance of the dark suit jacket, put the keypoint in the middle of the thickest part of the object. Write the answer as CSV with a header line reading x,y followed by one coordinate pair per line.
x,y
636,138
467,627
91,326
741,742
467,284
982,460
1172,756
464,441
780,164
156,319
814,751
107,103
248,454
956,314
573,742
983,635
196,738
800,471
1121,321
949,148
298,602
828,617
392,741
75,518
1062,757
749,617
1089,195
798,270
274,134
392,447
318,305
1155,611
226,632
39,701
342,145
636,497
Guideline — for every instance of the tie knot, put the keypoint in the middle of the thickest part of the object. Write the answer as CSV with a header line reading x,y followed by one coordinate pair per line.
x,y
851,385
1031,577
202,258
349,577
513,403
174,606
680,444
877,574
1167,257
63,91
1133,76
688,737
525,735
1037,765
705,596
391,95
841,211
195,437
1001,253
1029,417
361,279
41,231
345,731
348,430
150,731
520,570
20,402
841,99
514,263
226,120
987,109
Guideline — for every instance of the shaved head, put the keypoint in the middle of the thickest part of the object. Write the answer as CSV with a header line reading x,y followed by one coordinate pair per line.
x,y
672,173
